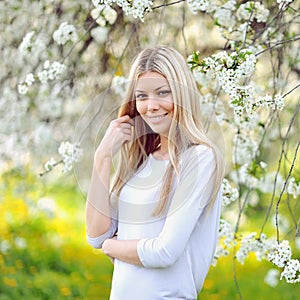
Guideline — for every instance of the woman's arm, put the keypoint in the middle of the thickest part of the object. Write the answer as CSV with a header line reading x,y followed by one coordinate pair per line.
x,y
122,250
191,197
98,219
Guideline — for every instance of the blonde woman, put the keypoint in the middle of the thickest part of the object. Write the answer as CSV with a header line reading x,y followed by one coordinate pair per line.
x,y
158,218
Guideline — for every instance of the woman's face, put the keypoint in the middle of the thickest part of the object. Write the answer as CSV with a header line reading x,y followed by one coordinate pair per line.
x,y
154,101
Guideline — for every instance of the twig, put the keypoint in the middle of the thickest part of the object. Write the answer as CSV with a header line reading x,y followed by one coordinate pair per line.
x,y
278,44
167,4
283,189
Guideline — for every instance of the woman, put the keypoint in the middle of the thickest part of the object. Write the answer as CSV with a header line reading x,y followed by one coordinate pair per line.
x,y
158,219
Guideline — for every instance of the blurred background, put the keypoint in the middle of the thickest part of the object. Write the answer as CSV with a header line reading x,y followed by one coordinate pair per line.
x,y
63,70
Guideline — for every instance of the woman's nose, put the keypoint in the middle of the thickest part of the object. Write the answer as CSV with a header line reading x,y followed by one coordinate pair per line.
x,y
153,104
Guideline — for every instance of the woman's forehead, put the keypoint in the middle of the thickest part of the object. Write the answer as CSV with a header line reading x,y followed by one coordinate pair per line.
x,y
150,80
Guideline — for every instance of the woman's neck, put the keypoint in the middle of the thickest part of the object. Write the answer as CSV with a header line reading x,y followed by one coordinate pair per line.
x,y
163,151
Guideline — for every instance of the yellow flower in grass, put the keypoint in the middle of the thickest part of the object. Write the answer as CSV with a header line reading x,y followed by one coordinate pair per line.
x,y
65,291
10,281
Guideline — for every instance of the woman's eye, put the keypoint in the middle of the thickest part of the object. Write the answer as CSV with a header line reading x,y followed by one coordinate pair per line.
x,y
141,96
164,93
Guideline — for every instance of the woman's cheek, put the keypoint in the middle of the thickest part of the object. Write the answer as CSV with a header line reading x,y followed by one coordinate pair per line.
x,y
141,107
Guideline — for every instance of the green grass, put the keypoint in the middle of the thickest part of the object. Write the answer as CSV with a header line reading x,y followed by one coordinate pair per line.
x,y
58,263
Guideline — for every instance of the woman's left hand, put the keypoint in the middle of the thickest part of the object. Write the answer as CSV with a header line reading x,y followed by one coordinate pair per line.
x,y
105,248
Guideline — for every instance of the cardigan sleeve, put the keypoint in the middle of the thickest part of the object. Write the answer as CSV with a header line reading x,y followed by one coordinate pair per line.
x,y
192,194
97,242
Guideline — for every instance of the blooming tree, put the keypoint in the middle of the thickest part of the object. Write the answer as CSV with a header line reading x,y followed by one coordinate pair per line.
x,y
58,56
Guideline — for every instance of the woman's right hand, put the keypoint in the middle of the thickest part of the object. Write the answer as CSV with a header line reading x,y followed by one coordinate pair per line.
x,y
118,133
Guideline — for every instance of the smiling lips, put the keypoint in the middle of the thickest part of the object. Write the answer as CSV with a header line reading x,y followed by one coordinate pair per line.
x,y
157,118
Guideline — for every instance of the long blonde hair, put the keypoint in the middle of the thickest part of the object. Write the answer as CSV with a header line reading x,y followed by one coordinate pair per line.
x,y
169,63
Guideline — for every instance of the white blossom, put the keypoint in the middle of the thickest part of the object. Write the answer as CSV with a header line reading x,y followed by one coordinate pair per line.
x,y
272,277
70,153
29,80
284,1
119,85
224,17
65,33
293,188
291,271
136,8
226,240
198,5
281,254
99,34
110,15
96,15
49,165
249,244
27,44
250,10
22,88
31,48
229,194
51,71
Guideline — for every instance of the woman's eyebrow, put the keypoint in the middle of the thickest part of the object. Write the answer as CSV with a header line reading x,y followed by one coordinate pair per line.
x,y
165,85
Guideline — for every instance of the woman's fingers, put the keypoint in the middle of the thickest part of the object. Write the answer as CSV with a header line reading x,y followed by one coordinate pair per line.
x,y
118,133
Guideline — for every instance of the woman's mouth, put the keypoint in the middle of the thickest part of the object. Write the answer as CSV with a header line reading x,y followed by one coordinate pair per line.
x,y
157,118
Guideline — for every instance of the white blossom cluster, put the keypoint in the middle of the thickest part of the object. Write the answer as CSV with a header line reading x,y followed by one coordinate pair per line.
x,y
50,164
277,253
102,17
200,5
284,1
276,102
251,244
293,188
272,277
106,15
136,8
291,271
226,240
65,33
70,153
253,10
23,87
248,244
119,85
229,70
51,71
224,15
281,257
29,46
229,194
